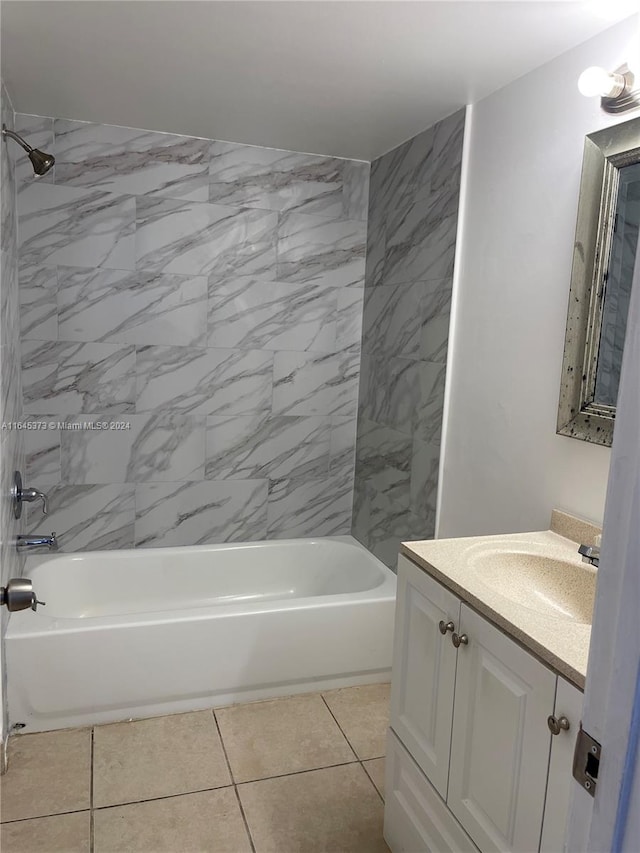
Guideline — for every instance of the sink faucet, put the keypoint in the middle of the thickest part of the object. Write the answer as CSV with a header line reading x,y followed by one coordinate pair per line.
x,y
590,554
35,541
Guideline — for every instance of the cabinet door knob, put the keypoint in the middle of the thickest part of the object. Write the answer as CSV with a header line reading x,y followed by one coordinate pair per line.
x,y
459,640
446,626
557,725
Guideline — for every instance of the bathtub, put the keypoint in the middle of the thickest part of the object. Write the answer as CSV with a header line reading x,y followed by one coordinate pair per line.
x,y
136,633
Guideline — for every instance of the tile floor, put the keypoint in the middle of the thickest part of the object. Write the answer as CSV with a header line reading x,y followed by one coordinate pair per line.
x,y
302,774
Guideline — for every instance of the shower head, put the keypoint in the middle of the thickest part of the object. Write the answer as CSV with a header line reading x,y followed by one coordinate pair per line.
x,y
40,161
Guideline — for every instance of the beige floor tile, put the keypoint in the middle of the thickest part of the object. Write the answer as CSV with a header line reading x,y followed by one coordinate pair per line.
x,y
157,758
281,736
335,810
48,773
207,822
363,715
65,833
375,769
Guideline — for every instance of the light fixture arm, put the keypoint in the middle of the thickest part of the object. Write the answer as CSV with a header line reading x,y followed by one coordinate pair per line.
x,y
618,85
628,99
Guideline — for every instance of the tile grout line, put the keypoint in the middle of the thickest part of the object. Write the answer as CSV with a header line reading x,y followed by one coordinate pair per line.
x,y
340,727
233,781
298,772
42,816
360,761
369,775
163,797
188,793
224,749
244,818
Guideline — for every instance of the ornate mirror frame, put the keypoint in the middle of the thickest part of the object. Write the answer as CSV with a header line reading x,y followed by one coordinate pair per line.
x,y
605,153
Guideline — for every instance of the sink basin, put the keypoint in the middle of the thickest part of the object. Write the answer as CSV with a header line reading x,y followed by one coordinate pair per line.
x,y
550,586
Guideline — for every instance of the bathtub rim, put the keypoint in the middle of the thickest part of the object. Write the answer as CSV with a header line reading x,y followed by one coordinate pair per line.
x,y
23,624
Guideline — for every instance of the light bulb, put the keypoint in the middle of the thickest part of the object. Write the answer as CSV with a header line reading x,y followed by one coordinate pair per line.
x,y
597,81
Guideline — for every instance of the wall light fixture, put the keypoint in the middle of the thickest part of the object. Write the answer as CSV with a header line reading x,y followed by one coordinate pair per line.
x,y
617,90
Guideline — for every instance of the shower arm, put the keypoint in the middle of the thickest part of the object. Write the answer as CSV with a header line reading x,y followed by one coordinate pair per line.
x,y
18,139
40,160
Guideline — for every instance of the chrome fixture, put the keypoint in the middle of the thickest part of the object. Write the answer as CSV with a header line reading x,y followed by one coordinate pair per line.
x,y
590,554
459,640
618,90
19,495
18,594
40,161
443,626
37,540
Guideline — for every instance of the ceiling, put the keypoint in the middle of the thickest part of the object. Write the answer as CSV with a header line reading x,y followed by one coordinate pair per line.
x,y
352,79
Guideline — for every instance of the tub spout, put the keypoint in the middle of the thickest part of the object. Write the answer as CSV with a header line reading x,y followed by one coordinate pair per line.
x,y
35,541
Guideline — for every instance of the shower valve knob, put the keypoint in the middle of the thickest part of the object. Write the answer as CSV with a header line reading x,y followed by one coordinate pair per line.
x,y
21,495
18,594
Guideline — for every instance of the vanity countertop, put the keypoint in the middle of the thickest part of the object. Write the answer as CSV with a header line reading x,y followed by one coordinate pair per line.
x,y
477,570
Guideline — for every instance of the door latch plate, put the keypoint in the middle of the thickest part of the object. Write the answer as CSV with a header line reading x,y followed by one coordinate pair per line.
x,y
586,761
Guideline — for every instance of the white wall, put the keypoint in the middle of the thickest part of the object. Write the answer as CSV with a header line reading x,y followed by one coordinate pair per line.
x,y
504,467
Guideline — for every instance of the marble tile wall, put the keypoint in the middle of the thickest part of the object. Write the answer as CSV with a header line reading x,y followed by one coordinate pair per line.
x,y
209,295
11,443
412,221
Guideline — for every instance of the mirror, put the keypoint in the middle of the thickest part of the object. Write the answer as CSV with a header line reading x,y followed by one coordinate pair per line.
x,y
603,262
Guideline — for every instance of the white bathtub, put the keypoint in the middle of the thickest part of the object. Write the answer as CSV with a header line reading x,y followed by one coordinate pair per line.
x,y
157,631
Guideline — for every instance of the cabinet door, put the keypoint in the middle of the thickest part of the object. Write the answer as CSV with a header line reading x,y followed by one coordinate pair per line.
x,y
416,820
560,785
423,674
501,741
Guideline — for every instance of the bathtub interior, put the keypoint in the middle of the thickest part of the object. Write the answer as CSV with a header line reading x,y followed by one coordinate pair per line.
x,y
116,583
329,623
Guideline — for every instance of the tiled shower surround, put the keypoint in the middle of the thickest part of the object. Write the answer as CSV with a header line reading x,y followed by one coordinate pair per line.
x,y
11,441
413,212
210,296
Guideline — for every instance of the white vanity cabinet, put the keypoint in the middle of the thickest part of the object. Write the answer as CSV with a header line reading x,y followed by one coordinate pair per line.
x,y
500,740
424,672
470,755
569,705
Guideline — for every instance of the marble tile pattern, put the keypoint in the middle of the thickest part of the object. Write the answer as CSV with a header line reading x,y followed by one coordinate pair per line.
x,y
11,440
411,240
204,300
